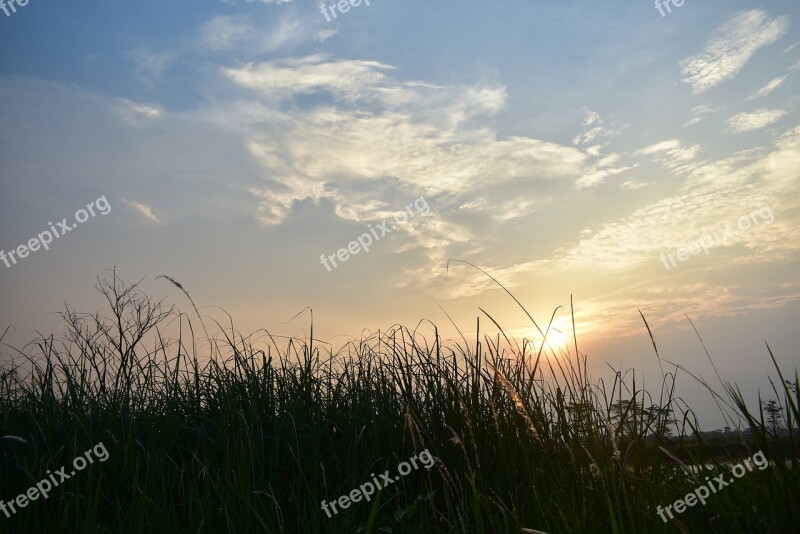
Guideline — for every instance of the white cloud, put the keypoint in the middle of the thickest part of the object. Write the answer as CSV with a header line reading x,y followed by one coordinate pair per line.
x,y
594,150
367,136
138,114
673,154
715,194
702,110
239,32
697,113
731,47
632,185
348,79
323,35
768,88
747,122
225,31
142,209
593,128
503,211
596,176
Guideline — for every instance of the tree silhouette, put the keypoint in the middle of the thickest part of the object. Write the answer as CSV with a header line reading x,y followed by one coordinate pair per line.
x,y
774,415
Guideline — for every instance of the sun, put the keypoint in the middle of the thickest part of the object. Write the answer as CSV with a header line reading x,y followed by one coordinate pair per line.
x,y
556,339
559,335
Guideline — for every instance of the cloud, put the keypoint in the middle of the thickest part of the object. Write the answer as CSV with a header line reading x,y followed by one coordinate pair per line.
x,y
138,114
149,65
673,154
628,247
333,154
323,35
767,89
142,209
714,194
632,185
593,128
747,122
697,113
352,133
347,79
730,48
595,176
240,32
504,211
595,173
613,317
224,31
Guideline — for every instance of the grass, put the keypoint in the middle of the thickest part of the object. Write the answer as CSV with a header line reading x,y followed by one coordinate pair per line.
x,y
210,433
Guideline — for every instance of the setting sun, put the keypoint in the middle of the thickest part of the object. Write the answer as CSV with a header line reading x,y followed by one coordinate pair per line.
x,y
556,339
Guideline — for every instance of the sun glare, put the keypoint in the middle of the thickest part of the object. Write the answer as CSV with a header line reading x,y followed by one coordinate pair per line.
x,y
556,339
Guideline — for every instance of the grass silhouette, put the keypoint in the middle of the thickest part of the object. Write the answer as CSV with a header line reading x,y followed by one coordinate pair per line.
x,y
249,434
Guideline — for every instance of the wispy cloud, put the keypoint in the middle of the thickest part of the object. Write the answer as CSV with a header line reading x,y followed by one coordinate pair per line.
x,y
594,129
241,32
698,112
632,185
347,79
351,132
323,35
142,209
138,114
747,122
673,154
328,149
714,194
731,47
768,88
504,211
149,65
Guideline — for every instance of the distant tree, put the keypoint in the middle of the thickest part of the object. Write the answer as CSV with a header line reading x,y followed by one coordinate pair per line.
x,y
583,419
626,416
774,416
660,420
632,418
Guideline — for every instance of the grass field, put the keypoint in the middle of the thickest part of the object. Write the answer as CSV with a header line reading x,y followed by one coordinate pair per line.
x,y
223,433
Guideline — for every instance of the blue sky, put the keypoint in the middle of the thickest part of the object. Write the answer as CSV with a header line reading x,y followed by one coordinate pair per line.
x,y
561,146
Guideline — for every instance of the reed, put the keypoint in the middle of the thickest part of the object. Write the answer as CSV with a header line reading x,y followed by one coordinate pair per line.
x,y
210,432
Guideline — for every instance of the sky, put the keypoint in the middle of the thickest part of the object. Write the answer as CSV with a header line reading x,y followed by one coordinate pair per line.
x,y
629,159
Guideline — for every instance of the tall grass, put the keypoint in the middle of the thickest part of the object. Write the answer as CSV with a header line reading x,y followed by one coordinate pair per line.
x,y
222,432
